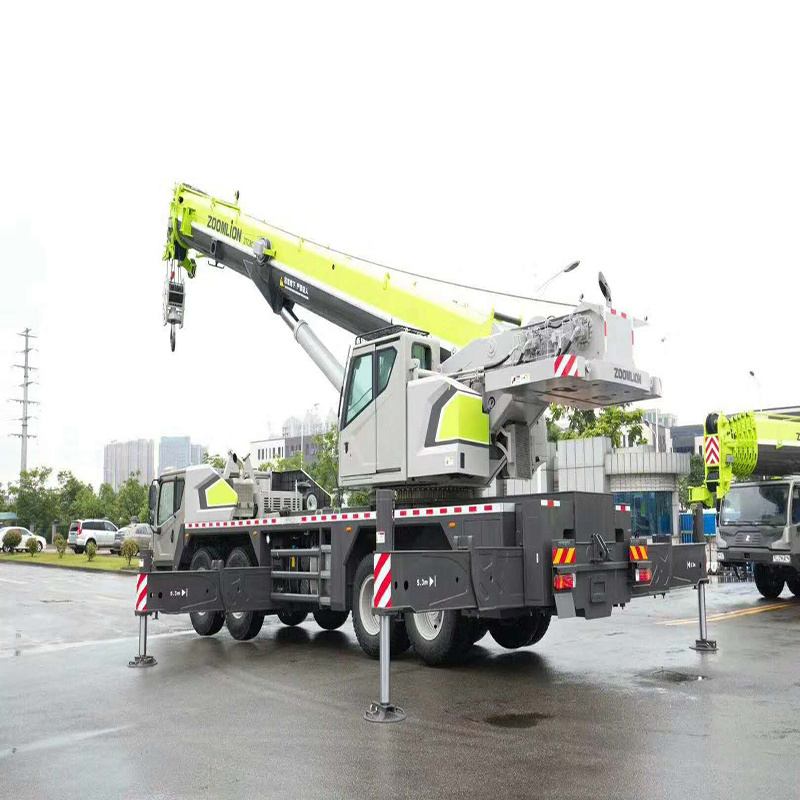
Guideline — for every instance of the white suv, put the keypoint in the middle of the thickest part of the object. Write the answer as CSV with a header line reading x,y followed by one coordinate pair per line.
x,y
99,531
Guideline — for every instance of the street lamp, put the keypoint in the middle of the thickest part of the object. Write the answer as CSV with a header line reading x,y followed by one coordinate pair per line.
x,y
563,271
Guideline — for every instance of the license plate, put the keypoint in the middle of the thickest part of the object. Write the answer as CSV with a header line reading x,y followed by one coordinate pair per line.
x,y
781,558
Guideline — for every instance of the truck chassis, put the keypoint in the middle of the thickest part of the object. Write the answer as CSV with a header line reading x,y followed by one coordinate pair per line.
x,y
510,563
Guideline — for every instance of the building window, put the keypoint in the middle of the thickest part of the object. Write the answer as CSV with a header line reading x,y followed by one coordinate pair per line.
x,y
651,512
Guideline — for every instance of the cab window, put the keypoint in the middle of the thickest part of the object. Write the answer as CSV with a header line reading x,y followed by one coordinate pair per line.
x,y
386,360
796,505
359,393
423,353
166,501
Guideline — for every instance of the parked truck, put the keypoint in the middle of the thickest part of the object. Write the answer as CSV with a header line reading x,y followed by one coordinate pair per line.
x,y
751,461
437,403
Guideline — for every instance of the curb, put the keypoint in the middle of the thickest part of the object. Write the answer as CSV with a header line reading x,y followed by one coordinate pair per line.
x,y
94,570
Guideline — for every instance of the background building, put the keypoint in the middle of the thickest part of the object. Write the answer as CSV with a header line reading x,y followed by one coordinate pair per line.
x,y
123,459
296,434
179,452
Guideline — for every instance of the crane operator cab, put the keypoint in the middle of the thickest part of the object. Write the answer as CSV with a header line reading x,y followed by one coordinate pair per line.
x,y
401,420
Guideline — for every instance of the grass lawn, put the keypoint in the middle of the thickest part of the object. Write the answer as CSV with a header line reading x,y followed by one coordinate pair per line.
x,y
108,563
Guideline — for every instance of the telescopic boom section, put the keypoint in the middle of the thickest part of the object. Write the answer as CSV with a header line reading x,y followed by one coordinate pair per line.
x,y
750,443
290,271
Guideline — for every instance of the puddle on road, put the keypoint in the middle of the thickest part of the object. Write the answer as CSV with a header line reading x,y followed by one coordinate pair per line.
x,y
674,676
519,720
55,601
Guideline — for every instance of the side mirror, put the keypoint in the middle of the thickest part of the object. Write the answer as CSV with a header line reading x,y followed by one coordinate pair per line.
x,y
152,499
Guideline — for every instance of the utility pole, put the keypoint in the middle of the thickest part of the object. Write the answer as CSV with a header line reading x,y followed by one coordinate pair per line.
x,y
26,382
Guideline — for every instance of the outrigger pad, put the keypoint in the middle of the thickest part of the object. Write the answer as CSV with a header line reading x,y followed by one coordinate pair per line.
x,y
378,712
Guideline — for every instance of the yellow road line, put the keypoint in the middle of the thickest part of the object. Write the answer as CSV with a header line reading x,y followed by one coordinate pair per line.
x,y
741,612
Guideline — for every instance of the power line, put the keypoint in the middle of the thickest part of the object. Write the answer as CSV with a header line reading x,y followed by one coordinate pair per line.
x,y
458,285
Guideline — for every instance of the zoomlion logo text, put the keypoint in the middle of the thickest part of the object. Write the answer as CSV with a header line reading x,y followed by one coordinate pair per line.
x,y
231,231
627,375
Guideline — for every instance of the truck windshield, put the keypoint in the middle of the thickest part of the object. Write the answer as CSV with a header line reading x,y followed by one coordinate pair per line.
x,y
759,505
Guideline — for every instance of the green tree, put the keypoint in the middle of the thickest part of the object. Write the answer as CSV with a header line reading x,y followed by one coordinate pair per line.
x,y
86,505
696,476
109,508
36,503
5,500
217,461
612,421
69,487
325,467
132,497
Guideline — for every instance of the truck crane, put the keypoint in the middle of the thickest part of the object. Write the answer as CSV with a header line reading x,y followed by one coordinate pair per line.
x,y
752,477
437,402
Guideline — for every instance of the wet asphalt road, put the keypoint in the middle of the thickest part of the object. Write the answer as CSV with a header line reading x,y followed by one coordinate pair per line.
x,y
609,708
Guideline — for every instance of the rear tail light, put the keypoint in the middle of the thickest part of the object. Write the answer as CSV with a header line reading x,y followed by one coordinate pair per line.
x,y
80,525
642,575
564,581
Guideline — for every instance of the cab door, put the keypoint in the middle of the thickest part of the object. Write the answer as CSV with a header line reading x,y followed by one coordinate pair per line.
x,y
357,442
390,408
167,527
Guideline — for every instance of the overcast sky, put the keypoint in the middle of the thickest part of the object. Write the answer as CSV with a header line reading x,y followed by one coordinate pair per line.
x,y
655,142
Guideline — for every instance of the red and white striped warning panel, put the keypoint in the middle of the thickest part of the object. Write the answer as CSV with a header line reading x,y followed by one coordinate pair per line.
x,y
566,366
621,313
551,503
712,450
622,507
141,593
382,586
483,508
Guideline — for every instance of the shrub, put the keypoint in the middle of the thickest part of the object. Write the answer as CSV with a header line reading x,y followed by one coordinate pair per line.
x,y
130,547
11,540
60,544
32,545
91,550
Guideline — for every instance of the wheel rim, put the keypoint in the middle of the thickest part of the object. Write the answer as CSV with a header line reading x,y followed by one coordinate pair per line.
x,y
201,615
429,624
369,620
237,615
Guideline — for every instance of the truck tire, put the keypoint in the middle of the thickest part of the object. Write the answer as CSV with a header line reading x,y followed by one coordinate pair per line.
x,y
794,585
439,637
520,631
242,625
365,623
330,620
205,623
481,629
290,616
541,629
767,581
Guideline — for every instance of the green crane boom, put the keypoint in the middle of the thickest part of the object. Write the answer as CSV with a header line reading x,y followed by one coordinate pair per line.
x,y
745,444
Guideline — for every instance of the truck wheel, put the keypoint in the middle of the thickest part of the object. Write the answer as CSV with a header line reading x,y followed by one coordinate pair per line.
x,y
365,623
481,629
794,585
242,625
517,632
330,620
290,616
206,623
768,582
541,629
439,637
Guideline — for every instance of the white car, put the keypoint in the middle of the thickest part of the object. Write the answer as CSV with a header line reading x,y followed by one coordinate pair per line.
x,y
100,531
140,532
26,534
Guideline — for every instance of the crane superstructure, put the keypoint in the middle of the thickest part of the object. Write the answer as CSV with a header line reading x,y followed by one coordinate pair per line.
x,y
433,392
437,400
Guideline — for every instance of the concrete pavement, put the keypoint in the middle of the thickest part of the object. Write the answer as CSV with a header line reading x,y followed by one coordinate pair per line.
x,y
610,708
